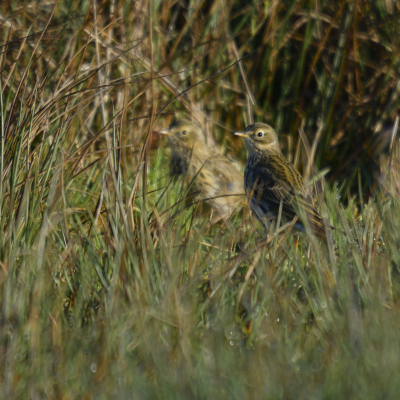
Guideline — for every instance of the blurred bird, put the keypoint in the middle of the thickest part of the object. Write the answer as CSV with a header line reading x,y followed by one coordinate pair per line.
x,y
216,177
270,180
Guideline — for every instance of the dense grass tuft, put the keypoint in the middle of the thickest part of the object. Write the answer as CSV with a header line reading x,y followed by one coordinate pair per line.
x,y
113,282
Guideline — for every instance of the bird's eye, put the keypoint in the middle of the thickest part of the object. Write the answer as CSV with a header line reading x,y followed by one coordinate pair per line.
x,y
184,132
260,134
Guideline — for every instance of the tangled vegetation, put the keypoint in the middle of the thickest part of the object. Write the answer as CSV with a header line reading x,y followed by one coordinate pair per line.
x,y
113,283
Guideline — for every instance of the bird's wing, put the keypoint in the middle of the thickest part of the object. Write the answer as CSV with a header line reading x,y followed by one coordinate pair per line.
x,y
226,174
275,180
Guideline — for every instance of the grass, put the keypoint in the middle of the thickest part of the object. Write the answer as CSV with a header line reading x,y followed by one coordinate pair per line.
x,y
111,285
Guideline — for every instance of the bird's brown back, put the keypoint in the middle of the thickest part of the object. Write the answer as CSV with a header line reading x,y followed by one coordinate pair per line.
x,y
271,179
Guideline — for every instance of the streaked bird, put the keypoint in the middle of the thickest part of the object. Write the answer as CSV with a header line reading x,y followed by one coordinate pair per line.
x,y
271,181
216,177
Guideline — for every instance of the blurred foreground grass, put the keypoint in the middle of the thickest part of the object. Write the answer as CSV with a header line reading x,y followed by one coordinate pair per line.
x,y
110,286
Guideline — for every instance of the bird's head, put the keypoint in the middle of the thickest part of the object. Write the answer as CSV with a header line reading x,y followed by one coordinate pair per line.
x,y
184,133
260,137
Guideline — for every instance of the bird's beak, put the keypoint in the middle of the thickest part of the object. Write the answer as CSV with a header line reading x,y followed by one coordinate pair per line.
x,y
241,134
165,131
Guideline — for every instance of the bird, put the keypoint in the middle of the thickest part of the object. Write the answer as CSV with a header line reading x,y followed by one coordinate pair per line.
x,y
271,182
215,176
